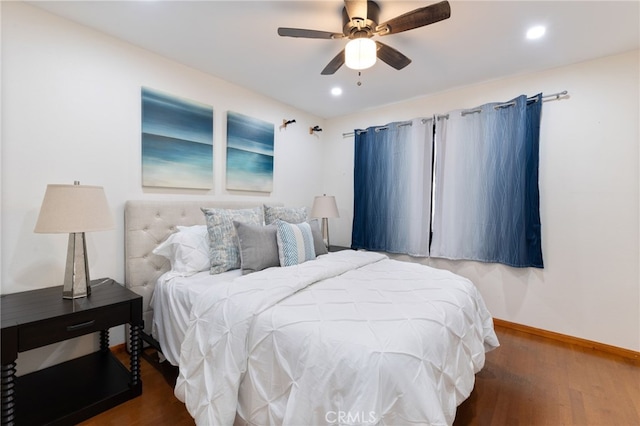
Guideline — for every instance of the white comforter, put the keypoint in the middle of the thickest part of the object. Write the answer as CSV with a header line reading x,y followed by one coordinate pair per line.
x,y
350,338
172,301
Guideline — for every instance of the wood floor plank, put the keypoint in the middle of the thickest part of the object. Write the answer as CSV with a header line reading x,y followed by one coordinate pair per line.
x,y
529,380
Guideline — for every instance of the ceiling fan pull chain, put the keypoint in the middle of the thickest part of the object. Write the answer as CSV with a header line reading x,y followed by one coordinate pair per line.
x,y
359,83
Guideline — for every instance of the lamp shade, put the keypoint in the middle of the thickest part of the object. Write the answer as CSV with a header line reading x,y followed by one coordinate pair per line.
x,y
324,206
360,53
74,208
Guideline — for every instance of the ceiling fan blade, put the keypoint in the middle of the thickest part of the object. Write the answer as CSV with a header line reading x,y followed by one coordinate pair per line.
x,y
356,9
416,18
391,56
335,64
299,32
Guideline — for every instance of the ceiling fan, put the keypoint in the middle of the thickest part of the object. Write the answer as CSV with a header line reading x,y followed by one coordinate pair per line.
x,y
360,24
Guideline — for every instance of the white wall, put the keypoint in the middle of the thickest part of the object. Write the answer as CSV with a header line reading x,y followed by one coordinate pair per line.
x,y
71,111
589,184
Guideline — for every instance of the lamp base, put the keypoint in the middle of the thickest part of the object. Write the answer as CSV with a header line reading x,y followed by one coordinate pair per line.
x,y
76,274
325,231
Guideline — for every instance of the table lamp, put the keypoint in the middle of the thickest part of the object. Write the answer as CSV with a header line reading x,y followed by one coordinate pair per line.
x,y
324,206
74,209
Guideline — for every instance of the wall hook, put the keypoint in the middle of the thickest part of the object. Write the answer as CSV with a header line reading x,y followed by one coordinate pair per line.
x,y
286,122
314,129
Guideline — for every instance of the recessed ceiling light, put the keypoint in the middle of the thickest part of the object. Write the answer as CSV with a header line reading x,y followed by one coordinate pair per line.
x,y
536,32
336,91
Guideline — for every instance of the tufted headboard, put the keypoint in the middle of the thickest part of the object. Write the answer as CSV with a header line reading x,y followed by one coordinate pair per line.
x,y
147,223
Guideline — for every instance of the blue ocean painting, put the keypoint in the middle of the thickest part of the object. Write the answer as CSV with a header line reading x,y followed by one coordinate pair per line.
x,y
177,142
249,153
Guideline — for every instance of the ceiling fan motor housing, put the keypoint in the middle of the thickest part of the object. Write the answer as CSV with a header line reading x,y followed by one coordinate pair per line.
x,y
360,27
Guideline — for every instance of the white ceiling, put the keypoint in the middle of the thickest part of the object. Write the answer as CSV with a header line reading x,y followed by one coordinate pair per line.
x,y
483,40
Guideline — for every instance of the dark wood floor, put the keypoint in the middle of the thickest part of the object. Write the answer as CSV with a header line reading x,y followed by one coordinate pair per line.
x,y
529,380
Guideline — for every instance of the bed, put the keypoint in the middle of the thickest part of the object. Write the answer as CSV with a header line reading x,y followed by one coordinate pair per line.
x,y
349,337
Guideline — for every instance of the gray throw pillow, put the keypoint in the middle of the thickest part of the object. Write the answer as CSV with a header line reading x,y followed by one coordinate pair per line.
x,y
318,241
258,246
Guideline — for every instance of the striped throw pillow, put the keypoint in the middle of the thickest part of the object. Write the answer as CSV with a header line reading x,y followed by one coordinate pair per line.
x,y
295,243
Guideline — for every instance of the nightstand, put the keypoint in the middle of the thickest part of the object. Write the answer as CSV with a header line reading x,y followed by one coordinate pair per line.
x,y
74,390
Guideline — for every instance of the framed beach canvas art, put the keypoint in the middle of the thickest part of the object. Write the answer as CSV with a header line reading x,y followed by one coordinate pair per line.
x,y
177,142
249,153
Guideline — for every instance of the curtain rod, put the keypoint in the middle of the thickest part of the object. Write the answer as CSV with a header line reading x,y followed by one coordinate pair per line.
x,y
377,129
545,98
552,97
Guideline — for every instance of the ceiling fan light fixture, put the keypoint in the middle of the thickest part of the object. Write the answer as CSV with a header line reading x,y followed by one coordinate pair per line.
x,y
360,53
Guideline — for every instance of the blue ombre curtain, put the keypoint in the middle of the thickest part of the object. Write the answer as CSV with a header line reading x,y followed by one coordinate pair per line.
x,y
392,187
487,204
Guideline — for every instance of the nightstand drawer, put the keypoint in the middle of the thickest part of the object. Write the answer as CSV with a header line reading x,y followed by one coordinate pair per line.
x,y
69,326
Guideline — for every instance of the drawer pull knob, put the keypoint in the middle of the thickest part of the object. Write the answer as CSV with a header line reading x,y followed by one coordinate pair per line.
x,y
81,325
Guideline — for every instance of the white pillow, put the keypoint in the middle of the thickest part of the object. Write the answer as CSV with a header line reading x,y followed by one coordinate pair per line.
x,y
187,250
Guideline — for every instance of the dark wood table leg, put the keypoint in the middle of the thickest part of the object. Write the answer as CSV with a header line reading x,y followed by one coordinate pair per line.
x,y
8,393
136,347
9,351
104,341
